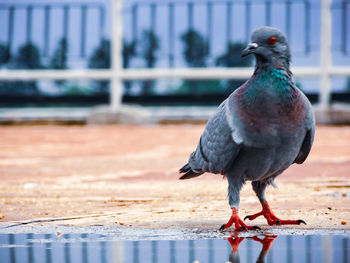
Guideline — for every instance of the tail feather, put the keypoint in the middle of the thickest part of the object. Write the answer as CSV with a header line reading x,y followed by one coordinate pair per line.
x,y
185,168
189,173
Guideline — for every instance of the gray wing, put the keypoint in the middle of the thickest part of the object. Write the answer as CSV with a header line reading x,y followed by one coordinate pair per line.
x,y
309,136
216,149
305,147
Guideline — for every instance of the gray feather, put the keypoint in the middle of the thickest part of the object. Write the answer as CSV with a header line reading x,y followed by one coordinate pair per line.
x,y
216,148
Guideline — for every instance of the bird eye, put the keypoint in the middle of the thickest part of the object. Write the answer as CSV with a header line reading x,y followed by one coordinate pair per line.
x,y
272,40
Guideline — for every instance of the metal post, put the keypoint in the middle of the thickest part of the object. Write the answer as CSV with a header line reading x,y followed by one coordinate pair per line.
x,y
344,26
10,32
247,20
190,15
326,53
47,31
288,15
268,13
65,21
29,24
228,22
83,31
209,24
134,23
102,23
153,17
117,40
171,34
307,26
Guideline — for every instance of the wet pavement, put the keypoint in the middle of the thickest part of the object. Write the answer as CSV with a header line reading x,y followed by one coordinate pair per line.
x,y
123,244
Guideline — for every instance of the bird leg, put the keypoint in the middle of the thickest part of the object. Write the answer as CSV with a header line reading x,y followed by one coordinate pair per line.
x,y
271,218
266,245
239,224
235,242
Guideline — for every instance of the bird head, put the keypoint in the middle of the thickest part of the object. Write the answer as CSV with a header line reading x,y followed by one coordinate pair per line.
x,y
270,47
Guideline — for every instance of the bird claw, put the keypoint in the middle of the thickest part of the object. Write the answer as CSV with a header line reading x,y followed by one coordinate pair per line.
x,y
301,221
244,228
272,219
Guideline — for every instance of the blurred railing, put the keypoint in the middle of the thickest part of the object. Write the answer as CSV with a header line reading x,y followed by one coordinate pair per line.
x,y
48,8
85,248
116,74
208,19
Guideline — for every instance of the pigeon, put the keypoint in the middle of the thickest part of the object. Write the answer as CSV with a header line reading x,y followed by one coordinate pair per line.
x,y
263,127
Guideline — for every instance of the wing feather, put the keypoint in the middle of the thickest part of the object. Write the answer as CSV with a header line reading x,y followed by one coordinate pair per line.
x,y
305,147
309,136
216,148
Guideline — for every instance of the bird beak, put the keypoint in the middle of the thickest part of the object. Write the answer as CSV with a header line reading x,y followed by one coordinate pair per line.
x,y
249,49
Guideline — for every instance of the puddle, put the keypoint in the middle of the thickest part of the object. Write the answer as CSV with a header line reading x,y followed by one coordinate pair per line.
x,y
92,247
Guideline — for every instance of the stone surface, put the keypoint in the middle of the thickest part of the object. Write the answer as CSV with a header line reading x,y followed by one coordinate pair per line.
x,y
126,175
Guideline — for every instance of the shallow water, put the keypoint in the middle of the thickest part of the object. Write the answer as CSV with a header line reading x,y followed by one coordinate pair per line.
x,y
85,248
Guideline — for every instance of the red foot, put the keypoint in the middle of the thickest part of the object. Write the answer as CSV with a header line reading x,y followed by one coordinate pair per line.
x,y
266,243
234,242
239,224
272,219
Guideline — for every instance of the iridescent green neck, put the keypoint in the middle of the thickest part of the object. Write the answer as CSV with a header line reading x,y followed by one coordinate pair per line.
x,y
272,78
269,82
280,76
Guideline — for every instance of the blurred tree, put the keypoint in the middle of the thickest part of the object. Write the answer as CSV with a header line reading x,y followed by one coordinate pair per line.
x,y
129,51
195,48
149,47
101,56
195,53
4,54
101,59
59,59
232,58
27,57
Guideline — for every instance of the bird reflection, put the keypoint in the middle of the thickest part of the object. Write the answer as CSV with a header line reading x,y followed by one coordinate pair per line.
x,y
266,242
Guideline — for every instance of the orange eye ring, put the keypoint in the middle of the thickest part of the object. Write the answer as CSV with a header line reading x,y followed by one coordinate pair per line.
x,y
272,40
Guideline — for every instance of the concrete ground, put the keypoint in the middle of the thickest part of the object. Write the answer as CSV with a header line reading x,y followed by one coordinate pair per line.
x,y
127,176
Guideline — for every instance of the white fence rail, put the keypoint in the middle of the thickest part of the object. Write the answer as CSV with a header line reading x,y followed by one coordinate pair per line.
x,y
117,74
144,74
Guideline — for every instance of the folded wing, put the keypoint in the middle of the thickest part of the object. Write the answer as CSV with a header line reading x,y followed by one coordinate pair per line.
x,y
216,149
